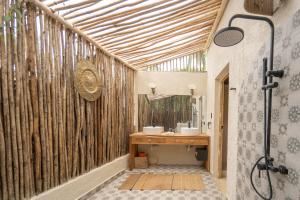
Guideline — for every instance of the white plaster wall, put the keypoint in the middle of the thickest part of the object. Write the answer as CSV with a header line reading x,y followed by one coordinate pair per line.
x,y
169,83
82,185
239,58
174,83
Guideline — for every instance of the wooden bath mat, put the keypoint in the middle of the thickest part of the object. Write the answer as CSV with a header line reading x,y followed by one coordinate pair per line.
x,y
151,181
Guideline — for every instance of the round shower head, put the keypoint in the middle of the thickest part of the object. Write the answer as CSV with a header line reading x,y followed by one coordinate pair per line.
x,y
228,36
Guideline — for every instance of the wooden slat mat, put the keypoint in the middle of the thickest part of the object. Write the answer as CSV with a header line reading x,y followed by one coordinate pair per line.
x,y
130,182
151,181
187,182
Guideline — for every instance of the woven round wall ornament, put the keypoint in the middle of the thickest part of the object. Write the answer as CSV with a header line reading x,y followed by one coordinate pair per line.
x,y
87,81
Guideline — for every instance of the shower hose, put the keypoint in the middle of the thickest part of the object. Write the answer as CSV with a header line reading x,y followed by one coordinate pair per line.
x,y
268,178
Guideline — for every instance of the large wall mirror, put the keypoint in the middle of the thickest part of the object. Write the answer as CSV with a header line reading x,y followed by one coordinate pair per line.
x,y
171,111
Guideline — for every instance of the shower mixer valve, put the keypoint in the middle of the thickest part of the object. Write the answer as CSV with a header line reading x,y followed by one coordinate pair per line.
x,y
263,166
272,73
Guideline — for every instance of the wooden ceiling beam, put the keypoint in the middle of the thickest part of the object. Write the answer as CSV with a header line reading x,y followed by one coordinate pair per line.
x,y
169,15
164,56
136,49
217,21
162,37
140,36
108,11
56,3
70,11
99,18
164,50
167,58
109,20
139,30
188,40
75,5
138,59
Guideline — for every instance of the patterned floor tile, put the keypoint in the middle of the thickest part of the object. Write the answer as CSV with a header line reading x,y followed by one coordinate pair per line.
x,y
110,190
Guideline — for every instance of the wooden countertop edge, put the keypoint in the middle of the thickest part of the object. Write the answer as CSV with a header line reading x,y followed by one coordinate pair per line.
x,y
140,134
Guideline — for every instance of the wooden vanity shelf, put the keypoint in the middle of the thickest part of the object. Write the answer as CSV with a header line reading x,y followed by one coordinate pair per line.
x,y
166,139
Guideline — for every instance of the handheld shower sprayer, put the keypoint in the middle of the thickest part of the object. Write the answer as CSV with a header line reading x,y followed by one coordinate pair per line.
x,y
230,36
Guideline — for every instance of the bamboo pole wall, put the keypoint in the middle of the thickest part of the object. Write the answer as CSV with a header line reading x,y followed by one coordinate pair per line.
x,y
48,133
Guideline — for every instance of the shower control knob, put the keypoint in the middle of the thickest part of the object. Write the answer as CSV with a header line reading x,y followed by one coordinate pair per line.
x,y
270,159
270,86
261,166
282,169
276,73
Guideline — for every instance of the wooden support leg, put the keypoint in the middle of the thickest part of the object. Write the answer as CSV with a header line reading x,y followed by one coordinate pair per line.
x,y
132,154
207,163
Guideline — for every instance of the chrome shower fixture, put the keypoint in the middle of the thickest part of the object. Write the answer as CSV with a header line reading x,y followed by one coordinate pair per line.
x,y
230,36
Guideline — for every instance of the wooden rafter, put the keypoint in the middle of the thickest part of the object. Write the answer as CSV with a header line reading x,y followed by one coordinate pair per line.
x,y
161,37
162,58
141,16
165,51
108,11
141,19
82,3
140,30
169,52
98,18
70,11
137,36
217,21
168,57
189,40
143,32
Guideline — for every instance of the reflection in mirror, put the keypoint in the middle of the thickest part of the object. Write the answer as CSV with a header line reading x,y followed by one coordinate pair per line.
x,y
169,111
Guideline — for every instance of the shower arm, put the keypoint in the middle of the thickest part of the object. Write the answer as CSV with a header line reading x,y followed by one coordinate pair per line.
x,y
269,109
259,18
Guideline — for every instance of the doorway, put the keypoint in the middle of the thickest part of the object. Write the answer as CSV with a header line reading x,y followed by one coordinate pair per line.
x,y
222,82
221,127
225,128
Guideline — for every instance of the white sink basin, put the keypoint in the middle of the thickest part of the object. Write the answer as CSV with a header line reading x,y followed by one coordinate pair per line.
x,y
190,131
150,130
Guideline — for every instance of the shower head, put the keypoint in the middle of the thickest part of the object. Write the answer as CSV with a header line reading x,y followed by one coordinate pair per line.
x,y
228,36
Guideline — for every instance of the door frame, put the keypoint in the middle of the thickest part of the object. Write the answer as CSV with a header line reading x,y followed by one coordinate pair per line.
x,y
219,117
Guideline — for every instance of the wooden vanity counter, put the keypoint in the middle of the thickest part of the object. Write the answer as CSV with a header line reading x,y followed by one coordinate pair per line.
x,y
167,139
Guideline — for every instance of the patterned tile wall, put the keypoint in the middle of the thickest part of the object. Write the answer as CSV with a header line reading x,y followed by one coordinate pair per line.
x,y
285,139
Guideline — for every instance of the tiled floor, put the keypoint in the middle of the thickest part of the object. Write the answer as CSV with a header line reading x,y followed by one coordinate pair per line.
x,y
221,184
110,191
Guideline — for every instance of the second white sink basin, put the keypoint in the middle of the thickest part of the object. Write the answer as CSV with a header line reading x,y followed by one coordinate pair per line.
x,y
190,131
150,130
